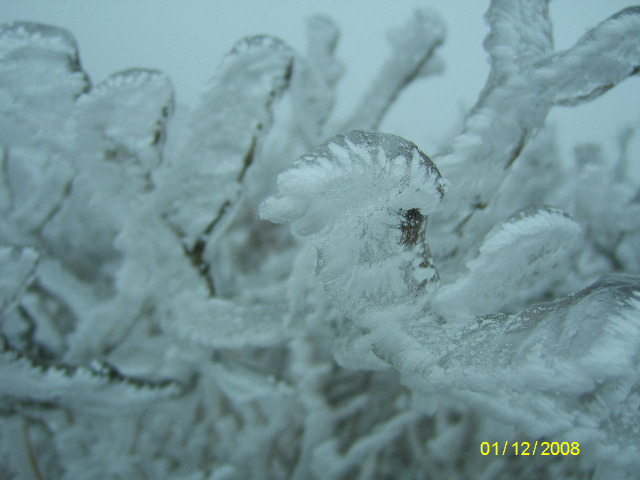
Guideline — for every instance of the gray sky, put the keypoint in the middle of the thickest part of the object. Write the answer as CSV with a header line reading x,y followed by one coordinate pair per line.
x,y
186,39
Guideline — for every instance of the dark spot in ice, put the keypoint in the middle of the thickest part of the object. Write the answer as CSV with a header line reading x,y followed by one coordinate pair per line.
x,y
410,226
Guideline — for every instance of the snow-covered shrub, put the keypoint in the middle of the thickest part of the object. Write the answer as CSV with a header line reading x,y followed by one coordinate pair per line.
x,y
180,297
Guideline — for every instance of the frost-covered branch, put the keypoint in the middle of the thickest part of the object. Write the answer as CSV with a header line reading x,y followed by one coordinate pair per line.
x,y
526,80
98,386
414,46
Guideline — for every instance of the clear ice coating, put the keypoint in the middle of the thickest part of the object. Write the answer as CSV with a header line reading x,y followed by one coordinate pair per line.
x,y
257,289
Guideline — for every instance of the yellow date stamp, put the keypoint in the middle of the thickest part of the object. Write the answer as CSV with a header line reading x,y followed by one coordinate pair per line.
x,y
542,448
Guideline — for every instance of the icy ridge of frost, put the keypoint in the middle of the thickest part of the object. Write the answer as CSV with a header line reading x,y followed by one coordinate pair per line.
x,y
125,117
518,260
99,385
28,34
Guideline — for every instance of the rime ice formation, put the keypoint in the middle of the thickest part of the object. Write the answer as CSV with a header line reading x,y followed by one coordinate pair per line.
x,y
238,292
359,197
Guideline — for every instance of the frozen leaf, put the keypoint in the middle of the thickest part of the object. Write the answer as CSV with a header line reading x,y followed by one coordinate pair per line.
x,y
519,260
363,199
40,78
125,117
235,113
343,352
119,129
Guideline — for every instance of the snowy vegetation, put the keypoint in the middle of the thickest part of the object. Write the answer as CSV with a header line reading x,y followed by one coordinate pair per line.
x,y
256,289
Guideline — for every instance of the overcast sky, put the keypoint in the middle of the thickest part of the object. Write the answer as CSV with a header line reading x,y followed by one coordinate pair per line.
x,y
187,38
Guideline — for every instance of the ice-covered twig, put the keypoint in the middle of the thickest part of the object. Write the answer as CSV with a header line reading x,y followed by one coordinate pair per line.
x,y
343,352
98,386
322,40
17,266
526,80
314,81
185,307
414,46
329,463
520,30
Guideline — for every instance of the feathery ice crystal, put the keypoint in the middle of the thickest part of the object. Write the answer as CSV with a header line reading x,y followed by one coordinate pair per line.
x,y
181,298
